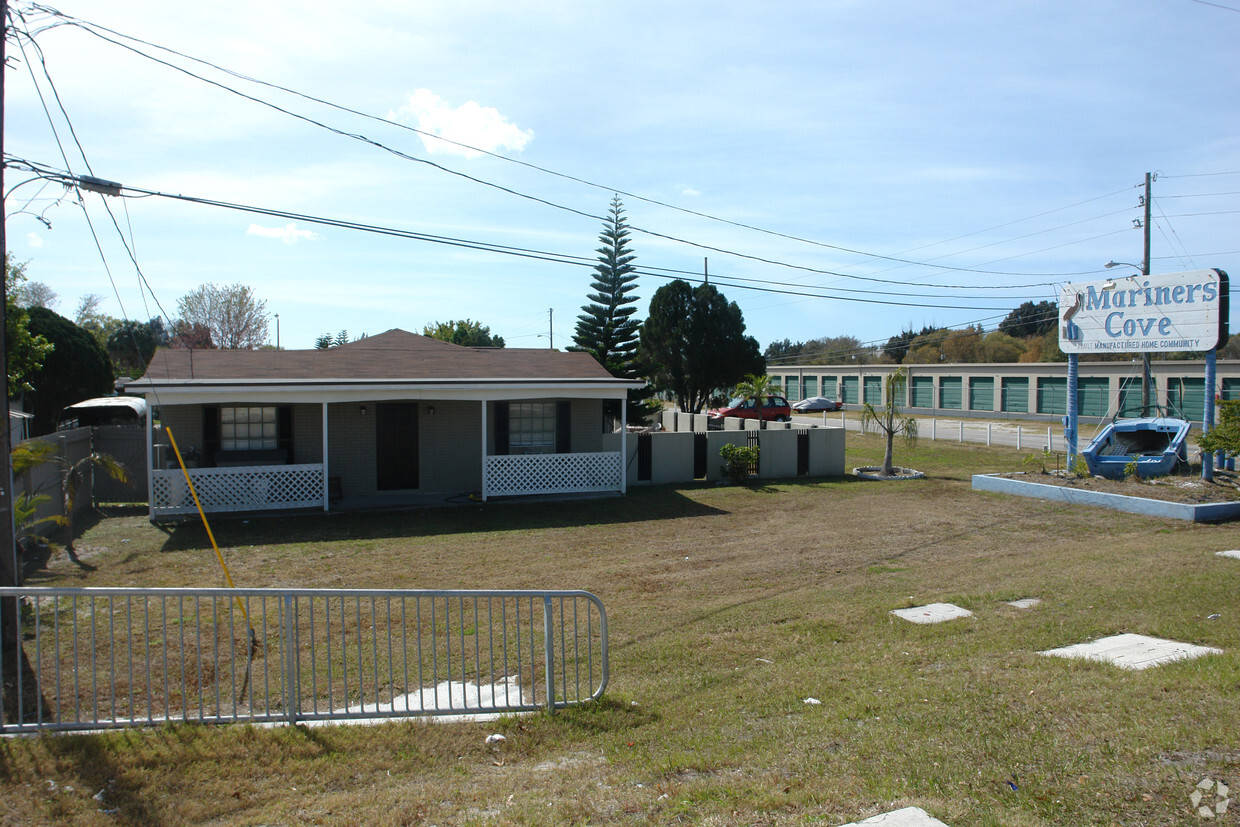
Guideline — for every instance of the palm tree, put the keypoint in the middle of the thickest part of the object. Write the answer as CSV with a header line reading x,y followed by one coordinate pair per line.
x,y
758,388
36,452
889,419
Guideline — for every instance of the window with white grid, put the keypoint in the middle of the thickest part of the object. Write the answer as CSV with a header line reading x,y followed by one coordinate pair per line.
x,y
531,427
247,429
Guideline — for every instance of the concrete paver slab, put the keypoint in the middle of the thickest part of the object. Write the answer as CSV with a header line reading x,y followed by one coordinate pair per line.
x,y
1133,651
1024,602
932,613
1233,554
908,817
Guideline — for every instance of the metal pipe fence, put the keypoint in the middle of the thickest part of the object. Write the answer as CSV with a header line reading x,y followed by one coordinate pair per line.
x,y
98,658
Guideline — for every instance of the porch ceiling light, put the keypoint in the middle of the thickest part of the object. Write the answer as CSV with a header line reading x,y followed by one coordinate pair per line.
x,y
362,410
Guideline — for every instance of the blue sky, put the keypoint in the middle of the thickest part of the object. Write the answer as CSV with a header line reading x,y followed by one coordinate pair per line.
x,y
947,160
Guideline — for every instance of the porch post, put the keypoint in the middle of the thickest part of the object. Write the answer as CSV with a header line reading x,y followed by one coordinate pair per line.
x,y
483,451
150,460
624,444
326,487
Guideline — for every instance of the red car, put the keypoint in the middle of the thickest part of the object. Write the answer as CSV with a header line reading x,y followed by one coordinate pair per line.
x,y
776,409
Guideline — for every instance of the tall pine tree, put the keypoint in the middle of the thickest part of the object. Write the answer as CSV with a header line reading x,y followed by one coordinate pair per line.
x,y
606,328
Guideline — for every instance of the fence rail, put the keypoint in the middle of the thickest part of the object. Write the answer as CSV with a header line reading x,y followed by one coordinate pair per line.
x,y
98,658
244,488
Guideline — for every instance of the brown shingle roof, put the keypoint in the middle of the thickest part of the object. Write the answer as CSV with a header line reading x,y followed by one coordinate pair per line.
x,y
396,355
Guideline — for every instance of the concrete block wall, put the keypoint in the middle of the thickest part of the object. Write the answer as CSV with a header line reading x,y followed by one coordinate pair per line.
x,y
186,424
777,455
671,455
826,452
351,447
449,445
587,426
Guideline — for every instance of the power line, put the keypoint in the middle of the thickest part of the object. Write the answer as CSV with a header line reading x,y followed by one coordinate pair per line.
x,y
90,28
1215,5
542,255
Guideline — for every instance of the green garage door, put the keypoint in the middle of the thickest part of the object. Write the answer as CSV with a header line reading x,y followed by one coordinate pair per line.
x,y
874,390
831,387
1053,395
1130,396
1015,393
1092,395
922,392
1231,388
950,392
792,388
1186,398
982,393
849,390
811,386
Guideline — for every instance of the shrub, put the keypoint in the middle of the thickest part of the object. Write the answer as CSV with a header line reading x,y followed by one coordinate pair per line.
x,y
737,460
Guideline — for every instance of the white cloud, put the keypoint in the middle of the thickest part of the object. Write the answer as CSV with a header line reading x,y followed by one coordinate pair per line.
x,y
471,124
289,233
34,240
690,192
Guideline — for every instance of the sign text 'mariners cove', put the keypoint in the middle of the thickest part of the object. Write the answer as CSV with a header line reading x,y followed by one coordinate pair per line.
x,y
1173,311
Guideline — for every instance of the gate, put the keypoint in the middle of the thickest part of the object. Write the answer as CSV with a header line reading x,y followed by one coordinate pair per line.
x,y
100,658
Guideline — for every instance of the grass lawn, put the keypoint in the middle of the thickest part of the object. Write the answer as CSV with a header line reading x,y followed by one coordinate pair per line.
x,y
728,608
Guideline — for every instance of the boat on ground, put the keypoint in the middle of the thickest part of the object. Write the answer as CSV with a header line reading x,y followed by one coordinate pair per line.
x,y
1156,444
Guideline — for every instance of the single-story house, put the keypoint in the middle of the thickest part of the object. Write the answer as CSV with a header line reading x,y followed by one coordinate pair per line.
x,y
387,419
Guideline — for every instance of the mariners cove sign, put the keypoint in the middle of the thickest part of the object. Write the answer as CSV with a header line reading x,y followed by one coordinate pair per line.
x,y
1174,311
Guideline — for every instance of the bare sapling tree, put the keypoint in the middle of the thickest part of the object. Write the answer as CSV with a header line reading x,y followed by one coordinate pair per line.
x,y
234,316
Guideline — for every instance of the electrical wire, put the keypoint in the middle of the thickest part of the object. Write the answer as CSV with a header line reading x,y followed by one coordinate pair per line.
x,y
90,28
740,283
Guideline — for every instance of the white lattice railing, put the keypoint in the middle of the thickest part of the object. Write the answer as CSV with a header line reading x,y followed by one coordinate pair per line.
x,y
552,473
245,488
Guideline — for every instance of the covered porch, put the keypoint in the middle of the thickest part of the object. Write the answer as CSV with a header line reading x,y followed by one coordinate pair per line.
x,y
277,452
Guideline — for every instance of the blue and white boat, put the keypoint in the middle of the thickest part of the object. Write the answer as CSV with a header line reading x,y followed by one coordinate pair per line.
x,y
1157,444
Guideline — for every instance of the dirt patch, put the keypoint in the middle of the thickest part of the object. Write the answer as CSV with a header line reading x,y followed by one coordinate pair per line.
x,y
1224,488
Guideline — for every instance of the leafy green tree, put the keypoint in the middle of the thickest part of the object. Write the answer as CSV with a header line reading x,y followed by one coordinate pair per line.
x,y
693,342
77,368
785,350
963,346
26,350
827,350
235,317
1225,436
898,347
606,328
464,332
324,342
998,346
890,419
758,388
1031,319
1231,350
131,345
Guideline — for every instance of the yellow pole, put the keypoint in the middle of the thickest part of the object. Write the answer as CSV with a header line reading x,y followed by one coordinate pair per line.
x,y
206,525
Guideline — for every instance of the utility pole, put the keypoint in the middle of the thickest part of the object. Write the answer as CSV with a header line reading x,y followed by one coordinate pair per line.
x,y
8,542
1145,271
706,270
551,328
